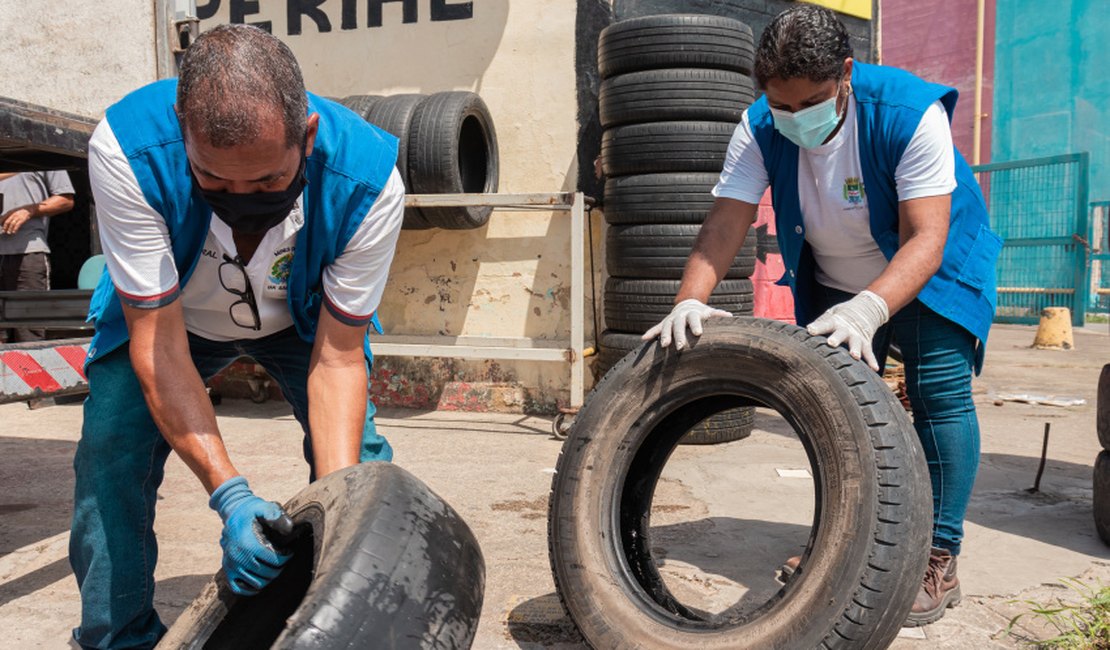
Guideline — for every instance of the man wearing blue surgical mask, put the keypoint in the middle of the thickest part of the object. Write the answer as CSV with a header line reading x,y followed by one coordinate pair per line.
x,y
240,216
883,232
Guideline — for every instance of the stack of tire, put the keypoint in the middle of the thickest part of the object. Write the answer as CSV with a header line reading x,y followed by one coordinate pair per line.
x,y
1101,484
446,145
673,89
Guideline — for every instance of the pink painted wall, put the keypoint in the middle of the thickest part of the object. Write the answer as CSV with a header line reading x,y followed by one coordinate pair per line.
x,y
936,41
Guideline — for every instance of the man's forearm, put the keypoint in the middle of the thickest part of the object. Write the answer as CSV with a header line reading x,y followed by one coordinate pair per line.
x,y
175,393
337,394
53,205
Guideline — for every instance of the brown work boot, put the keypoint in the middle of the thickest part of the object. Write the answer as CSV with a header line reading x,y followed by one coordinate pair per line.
x,y
939,590
789,568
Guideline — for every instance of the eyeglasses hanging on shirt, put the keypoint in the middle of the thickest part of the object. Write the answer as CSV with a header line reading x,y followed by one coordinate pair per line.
x,y
244,311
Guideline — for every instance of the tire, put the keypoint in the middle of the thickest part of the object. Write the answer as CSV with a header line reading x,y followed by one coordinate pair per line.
x,y
1101,498
659,198
659,252
381,562
453,149
636,306
873,507
665,147
360,104
675,41
668,95
393,115
726,426
1102,408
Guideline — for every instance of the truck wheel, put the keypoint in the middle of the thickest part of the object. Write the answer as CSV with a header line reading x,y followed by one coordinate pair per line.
x,y
675,41
1102,407
1102,496
660,251
680,94
380,561
360,104
727,426
638,305
393,115
869,542
659,198
665,147
453,149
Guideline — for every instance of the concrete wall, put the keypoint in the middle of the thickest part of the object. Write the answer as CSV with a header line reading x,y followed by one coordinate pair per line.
x,y
510,278
1052,93
936,41
76,57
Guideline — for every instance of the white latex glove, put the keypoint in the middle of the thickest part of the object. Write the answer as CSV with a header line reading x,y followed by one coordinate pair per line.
x,y
689,312
855,322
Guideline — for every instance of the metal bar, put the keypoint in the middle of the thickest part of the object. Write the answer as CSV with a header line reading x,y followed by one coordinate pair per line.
x,y
468,352
577,301
1031,162
1043,290
547,200
42,369
1079,311
1042,241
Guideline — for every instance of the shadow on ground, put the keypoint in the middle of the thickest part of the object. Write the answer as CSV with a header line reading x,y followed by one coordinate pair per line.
x,y
36,501
1059,514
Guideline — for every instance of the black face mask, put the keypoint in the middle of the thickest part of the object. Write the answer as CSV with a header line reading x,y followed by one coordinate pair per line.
x,y
256,212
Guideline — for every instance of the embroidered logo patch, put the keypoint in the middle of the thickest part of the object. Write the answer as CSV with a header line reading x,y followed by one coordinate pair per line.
x,y
279,270
853,190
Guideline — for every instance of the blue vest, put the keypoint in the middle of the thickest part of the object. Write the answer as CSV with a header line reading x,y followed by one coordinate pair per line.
x,y
889,106
350,163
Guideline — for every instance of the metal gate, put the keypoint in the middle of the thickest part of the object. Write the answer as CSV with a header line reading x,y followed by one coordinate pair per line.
x,y
1039,207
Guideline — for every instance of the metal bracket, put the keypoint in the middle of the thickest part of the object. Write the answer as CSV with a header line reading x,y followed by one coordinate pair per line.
x,y
185,26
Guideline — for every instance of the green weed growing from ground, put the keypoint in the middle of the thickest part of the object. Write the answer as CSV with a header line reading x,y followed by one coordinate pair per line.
x,y
1082,625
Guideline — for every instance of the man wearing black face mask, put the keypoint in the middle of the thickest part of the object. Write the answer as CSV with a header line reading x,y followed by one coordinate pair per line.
x,y
239,216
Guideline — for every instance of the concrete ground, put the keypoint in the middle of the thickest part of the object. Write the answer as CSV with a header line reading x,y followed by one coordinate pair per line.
x,y
496,471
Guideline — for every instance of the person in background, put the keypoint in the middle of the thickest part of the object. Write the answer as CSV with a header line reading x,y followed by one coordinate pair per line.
x,y
240,216
883,232
29,199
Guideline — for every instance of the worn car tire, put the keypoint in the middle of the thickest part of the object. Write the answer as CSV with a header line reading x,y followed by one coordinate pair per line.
x,y
393,114
453,149
1101,498
381,562
360,104
872,523
1102,407
726,426
675,41
660,251
678,94
638,305
659,198
665,147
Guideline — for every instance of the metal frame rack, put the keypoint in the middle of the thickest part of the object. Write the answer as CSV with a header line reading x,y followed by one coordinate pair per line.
x,y
511,348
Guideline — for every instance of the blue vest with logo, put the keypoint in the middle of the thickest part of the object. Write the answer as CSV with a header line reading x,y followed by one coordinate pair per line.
x,y
351,162
889,107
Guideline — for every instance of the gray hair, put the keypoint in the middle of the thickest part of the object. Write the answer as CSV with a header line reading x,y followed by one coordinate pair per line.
x,y
804,41
235,76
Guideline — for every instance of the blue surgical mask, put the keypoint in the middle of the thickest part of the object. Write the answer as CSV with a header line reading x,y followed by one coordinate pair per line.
x,y
809,127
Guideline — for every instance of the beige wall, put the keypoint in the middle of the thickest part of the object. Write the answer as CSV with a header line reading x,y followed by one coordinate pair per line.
x,y
510,278
75,56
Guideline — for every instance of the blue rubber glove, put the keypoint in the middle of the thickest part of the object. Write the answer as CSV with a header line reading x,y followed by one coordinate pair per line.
x,y
250,560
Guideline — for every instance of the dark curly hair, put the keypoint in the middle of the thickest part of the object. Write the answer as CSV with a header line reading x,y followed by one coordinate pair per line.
x,y
804,41
235,76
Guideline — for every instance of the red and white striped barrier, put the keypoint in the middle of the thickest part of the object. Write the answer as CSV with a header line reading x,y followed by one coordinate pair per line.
x,y
42,369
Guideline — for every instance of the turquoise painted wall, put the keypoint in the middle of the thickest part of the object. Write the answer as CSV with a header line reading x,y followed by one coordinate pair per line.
x,y
1052,83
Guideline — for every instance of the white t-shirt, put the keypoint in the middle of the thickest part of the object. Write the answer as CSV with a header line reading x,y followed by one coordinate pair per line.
x,y
836,220
140,260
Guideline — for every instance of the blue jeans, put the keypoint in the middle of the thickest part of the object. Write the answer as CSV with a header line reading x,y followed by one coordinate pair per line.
x,y
119,466
939,358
